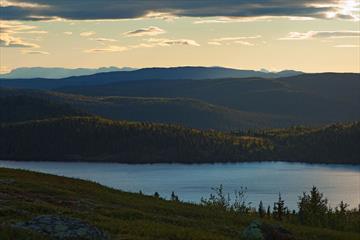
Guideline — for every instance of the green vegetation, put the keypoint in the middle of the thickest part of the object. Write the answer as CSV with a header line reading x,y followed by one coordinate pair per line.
x,y
122,215
313,210
303,144
98,139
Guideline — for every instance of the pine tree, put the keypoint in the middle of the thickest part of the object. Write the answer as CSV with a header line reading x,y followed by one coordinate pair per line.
x,y
261,210
268,212
279,209
174,197
313,208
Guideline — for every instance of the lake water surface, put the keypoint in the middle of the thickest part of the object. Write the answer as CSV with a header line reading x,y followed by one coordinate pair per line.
x,y
264,181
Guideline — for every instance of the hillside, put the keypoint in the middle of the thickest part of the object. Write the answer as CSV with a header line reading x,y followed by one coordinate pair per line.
x,y
301,143
97,139
122,215
313,98
188,112
308,98
23,108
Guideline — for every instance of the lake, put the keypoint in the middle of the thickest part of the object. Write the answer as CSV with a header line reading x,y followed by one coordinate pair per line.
x,y
264,181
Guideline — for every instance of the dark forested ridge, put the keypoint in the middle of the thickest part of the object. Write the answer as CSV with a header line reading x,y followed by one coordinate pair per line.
x,y
97,139
310,98
183,111
23,108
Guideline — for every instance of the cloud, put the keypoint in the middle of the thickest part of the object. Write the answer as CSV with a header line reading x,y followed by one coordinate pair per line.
x,y
8,41
161,15
35,52
149,31
6,3
8,30
108,49
346,46
151,43
87,34
320,34
232,40
100,39
214,43
114,9
251,19
33,32
164,42
68,33
14,27
4,69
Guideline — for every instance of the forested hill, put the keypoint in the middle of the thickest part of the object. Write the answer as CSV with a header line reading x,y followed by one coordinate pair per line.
x,y
19,108
20,104
98,139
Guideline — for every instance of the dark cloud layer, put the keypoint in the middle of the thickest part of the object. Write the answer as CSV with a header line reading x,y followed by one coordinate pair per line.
x,y
120,9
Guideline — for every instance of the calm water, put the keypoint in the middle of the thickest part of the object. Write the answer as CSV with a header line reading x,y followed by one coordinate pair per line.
x,y
263,180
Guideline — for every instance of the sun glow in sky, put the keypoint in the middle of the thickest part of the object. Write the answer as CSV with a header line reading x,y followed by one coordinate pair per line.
x,y
312,36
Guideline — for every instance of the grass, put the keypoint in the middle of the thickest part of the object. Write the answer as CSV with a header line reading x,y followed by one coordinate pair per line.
x,y
25,194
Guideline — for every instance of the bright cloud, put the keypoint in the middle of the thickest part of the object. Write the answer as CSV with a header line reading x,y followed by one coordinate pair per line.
x,y
35,52
87,34
234,40
8,41
320,34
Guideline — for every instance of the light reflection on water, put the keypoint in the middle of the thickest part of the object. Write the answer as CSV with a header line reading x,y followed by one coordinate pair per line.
x,y
191,182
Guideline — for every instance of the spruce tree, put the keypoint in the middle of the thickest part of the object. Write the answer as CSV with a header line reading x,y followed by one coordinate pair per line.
x,y
261,210
279,209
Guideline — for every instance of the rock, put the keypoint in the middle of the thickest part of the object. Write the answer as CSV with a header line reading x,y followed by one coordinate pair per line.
x,y
61,228
253,231
7,181
258,230
276,232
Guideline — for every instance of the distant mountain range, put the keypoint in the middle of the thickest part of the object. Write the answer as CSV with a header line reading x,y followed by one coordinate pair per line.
x,y
175,73
57,72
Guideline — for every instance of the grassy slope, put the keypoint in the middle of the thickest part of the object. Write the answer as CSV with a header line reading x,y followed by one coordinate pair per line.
x,y
123,215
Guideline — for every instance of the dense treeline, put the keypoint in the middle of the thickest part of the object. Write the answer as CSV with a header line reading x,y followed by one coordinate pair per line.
x,y
98,139
333,143
93,138
22,108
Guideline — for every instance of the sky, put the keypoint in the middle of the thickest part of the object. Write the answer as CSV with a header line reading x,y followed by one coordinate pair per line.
x,y
306,35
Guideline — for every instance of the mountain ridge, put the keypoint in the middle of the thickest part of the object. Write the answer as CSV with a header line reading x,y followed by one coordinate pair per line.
x,y
57,72
171,73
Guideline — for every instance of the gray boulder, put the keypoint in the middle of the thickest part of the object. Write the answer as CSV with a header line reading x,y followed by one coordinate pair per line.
x,y
62,228
258,230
